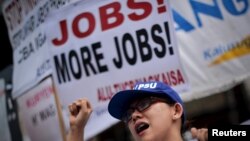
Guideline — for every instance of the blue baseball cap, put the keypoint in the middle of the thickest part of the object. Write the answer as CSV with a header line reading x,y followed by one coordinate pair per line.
x,y
120,102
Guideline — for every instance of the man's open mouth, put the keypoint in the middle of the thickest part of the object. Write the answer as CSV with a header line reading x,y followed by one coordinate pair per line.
x,y
141,127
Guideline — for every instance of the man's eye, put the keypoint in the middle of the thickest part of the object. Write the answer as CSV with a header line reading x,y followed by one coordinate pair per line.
x,y
143,105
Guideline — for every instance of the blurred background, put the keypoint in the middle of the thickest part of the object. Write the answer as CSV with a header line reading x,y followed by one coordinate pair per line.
x,y
226,106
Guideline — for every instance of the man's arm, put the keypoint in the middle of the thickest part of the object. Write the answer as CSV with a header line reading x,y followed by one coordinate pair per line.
x,y
80,111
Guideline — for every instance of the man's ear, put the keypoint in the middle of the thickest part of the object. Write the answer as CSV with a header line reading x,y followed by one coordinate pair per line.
x,y
178,110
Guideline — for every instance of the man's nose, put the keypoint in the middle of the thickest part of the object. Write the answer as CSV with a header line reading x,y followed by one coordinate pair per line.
x,y
136,115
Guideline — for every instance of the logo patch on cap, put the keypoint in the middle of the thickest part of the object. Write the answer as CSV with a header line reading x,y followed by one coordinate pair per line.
x,y
145,86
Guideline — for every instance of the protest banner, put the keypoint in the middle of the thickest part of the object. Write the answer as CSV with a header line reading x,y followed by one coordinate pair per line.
x,y
24,20
213,40
100,47
39,114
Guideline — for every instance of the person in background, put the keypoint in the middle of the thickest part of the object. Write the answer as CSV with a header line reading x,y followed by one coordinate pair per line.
x,y
152,111
200,134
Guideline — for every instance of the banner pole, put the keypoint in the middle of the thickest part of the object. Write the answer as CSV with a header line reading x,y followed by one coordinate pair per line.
x,y
59,109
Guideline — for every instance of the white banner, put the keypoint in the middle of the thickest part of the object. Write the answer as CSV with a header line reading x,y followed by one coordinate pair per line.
x,y
213,37
24,20
38,113
100,47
